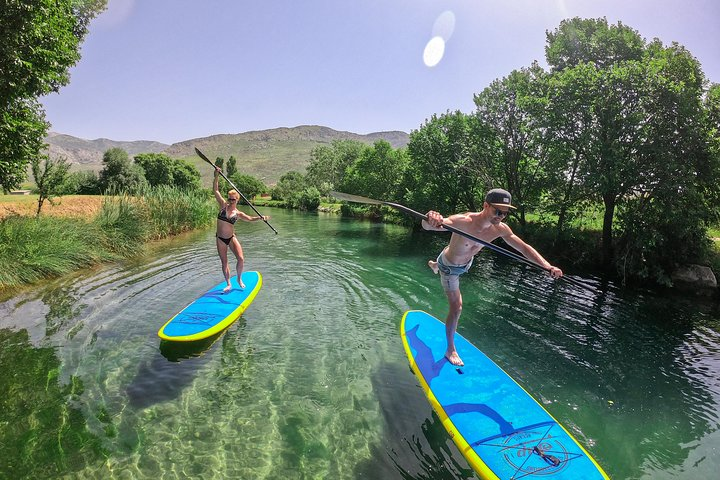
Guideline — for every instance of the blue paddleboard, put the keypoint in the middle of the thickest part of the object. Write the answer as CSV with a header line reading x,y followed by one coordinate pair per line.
x,y
213,312
499,428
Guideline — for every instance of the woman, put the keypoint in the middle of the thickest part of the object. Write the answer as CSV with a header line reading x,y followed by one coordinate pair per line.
x,y
225,234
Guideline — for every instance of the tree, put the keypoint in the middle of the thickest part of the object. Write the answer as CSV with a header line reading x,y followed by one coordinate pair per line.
x,y
118,173
290,183
515,161
629,118
84,182
678,194
22,130
161,169
328,165
308,199
49,178
186,175
563,115
377,173
158,168
579,40
231,166
446,171
39,42
249,186
292,189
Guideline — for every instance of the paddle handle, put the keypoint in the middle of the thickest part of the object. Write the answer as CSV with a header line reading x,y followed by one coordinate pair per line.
x,y
202,155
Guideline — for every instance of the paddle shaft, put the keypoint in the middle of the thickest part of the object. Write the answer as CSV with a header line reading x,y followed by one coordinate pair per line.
x,y
202,155
489,245
422,216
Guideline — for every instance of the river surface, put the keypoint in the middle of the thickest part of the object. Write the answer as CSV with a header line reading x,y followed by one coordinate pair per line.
x,y
312,381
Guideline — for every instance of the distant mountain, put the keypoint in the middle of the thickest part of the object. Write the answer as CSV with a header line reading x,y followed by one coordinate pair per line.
x,y
89,153
266,154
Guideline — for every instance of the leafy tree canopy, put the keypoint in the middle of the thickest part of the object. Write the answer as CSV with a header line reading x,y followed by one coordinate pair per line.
x,y
39,42
446,172
579,40
377,173
247,184
161,169
328,164
118,173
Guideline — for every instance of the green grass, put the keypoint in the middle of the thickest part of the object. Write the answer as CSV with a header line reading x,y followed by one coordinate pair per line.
x,y
18,198
32,249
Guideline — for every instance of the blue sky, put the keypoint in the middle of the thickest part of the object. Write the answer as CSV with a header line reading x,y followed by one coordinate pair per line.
x,y
174,70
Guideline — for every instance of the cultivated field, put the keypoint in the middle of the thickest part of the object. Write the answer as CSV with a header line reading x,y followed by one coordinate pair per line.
x,y
85,206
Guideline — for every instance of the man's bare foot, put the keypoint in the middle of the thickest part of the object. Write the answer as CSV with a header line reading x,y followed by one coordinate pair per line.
x,y
227,289
454,358
433,266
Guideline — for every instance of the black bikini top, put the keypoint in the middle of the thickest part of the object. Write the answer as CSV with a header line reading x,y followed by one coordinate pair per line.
x,y
223,216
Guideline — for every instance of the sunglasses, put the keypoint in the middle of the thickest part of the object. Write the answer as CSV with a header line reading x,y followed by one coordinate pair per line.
x,y
233,199
500,213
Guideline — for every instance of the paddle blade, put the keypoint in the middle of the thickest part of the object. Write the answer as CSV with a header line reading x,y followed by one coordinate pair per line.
x,y
202,155
355,198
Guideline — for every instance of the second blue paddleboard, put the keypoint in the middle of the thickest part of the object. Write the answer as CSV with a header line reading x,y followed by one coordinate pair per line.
x,y
499,428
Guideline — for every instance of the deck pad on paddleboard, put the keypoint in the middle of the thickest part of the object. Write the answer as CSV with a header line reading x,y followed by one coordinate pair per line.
x,y
499,428
213,312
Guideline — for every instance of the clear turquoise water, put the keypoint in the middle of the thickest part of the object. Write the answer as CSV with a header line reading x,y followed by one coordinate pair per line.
x,y
312,381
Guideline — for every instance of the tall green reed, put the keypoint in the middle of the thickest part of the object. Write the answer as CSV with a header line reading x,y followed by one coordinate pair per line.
x,y
172,210
35,248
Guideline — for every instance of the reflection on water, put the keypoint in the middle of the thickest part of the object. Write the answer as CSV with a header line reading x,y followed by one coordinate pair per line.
x,y
312,380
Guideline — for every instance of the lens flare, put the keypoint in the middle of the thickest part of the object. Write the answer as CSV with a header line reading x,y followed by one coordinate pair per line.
x,y
444,25
434,51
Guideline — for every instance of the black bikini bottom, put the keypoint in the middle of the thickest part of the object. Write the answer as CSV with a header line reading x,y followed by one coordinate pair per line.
x,y
226,241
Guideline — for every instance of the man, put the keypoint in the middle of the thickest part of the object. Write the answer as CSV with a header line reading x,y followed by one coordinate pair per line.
x,y
457,257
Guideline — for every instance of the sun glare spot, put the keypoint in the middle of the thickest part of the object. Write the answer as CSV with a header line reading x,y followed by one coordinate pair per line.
x,y
444,25
434,51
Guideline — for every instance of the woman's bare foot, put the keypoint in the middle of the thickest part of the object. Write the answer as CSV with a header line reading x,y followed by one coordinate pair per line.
x,y
433,266
454,358
240,282
227,289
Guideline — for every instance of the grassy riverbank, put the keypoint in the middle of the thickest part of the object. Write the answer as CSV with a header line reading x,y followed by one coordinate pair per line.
x,y
32,249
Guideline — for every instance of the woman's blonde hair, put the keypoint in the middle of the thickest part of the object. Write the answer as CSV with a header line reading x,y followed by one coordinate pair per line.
x,y
237,195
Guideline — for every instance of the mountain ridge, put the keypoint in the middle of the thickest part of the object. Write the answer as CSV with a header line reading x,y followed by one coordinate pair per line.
x,y
266,154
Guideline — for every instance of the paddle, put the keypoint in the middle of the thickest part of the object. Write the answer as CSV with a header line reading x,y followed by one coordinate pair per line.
x,y
358,199
202,155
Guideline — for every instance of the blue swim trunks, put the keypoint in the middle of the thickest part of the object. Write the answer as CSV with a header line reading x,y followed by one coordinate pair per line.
x,y
450,273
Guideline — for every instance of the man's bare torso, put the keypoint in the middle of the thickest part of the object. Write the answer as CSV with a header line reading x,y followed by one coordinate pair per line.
x,y
461,250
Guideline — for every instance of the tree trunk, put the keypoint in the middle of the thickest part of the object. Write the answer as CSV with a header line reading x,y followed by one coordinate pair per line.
x,y
566,199
41,199
607,240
